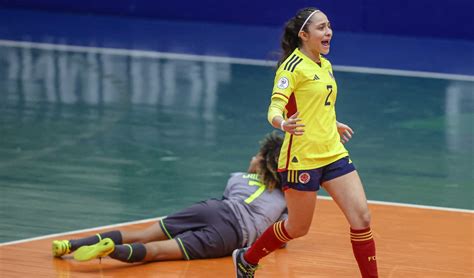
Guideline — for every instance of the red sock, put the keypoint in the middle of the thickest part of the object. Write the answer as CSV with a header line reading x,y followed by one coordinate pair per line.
x,y
363,246
273,238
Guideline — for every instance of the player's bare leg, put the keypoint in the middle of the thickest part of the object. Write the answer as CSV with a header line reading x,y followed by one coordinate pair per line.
x,y
348,193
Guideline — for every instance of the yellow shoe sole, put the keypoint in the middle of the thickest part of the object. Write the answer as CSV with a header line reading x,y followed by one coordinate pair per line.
x,y
99,250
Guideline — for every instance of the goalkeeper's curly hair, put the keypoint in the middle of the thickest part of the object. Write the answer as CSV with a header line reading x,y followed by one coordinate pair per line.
x,y
270,150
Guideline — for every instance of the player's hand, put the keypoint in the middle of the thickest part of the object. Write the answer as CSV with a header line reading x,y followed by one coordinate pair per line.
x,y
345,132
292,126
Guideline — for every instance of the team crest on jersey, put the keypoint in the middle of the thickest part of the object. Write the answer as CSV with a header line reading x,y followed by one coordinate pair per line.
x,y
304,178
283,83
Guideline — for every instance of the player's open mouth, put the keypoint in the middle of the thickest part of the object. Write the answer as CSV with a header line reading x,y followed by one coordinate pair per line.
x,y
325,43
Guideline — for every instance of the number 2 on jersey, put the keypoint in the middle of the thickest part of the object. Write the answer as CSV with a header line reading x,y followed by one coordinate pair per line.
x,y
327,103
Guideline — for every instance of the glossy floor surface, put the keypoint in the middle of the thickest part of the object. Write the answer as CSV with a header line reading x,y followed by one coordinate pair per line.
x,y
411,242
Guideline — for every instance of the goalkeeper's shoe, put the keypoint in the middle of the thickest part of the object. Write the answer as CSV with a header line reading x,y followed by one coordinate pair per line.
x,y
99,250
61,247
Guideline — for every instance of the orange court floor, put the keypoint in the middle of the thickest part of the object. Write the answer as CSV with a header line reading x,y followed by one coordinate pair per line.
x,y
411,242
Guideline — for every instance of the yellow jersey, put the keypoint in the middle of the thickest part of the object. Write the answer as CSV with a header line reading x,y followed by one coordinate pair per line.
x,y
310,89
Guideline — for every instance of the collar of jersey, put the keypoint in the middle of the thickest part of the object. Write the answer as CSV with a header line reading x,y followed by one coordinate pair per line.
x,y
307,59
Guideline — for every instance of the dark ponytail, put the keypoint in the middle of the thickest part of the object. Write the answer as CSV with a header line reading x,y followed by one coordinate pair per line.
x,y
270,150
290,39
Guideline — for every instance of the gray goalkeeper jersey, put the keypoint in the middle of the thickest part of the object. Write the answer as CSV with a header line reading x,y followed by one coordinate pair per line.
x,y
255,207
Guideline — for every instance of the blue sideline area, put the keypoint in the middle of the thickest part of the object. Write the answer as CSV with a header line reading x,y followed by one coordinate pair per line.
x,y
232,40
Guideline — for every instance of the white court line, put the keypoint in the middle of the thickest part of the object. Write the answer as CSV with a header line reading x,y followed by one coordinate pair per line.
x,y
395,204
60,235
219,59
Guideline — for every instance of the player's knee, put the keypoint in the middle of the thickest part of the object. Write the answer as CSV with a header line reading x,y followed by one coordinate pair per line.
x,y
365,219
361,220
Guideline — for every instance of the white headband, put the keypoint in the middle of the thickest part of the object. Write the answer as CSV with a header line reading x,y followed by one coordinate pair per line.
x,y
306,21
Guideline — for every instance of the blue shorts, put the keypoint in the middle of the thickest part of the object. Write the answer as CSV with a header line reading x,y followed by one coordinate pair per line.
x,y
310,180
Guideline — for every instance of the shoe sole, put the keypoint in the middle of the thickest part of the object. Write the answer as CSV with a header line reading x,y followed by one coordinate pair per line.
x,y
84,254
88,253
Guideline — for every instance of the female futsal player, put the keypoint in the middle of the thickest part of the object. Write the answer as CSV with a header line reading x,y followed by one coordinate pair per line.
x,y
303,106
209,229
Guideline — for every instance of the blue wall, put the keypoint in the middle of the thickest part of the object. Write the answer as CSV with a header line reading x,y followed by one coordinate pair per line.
x,y
426,18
